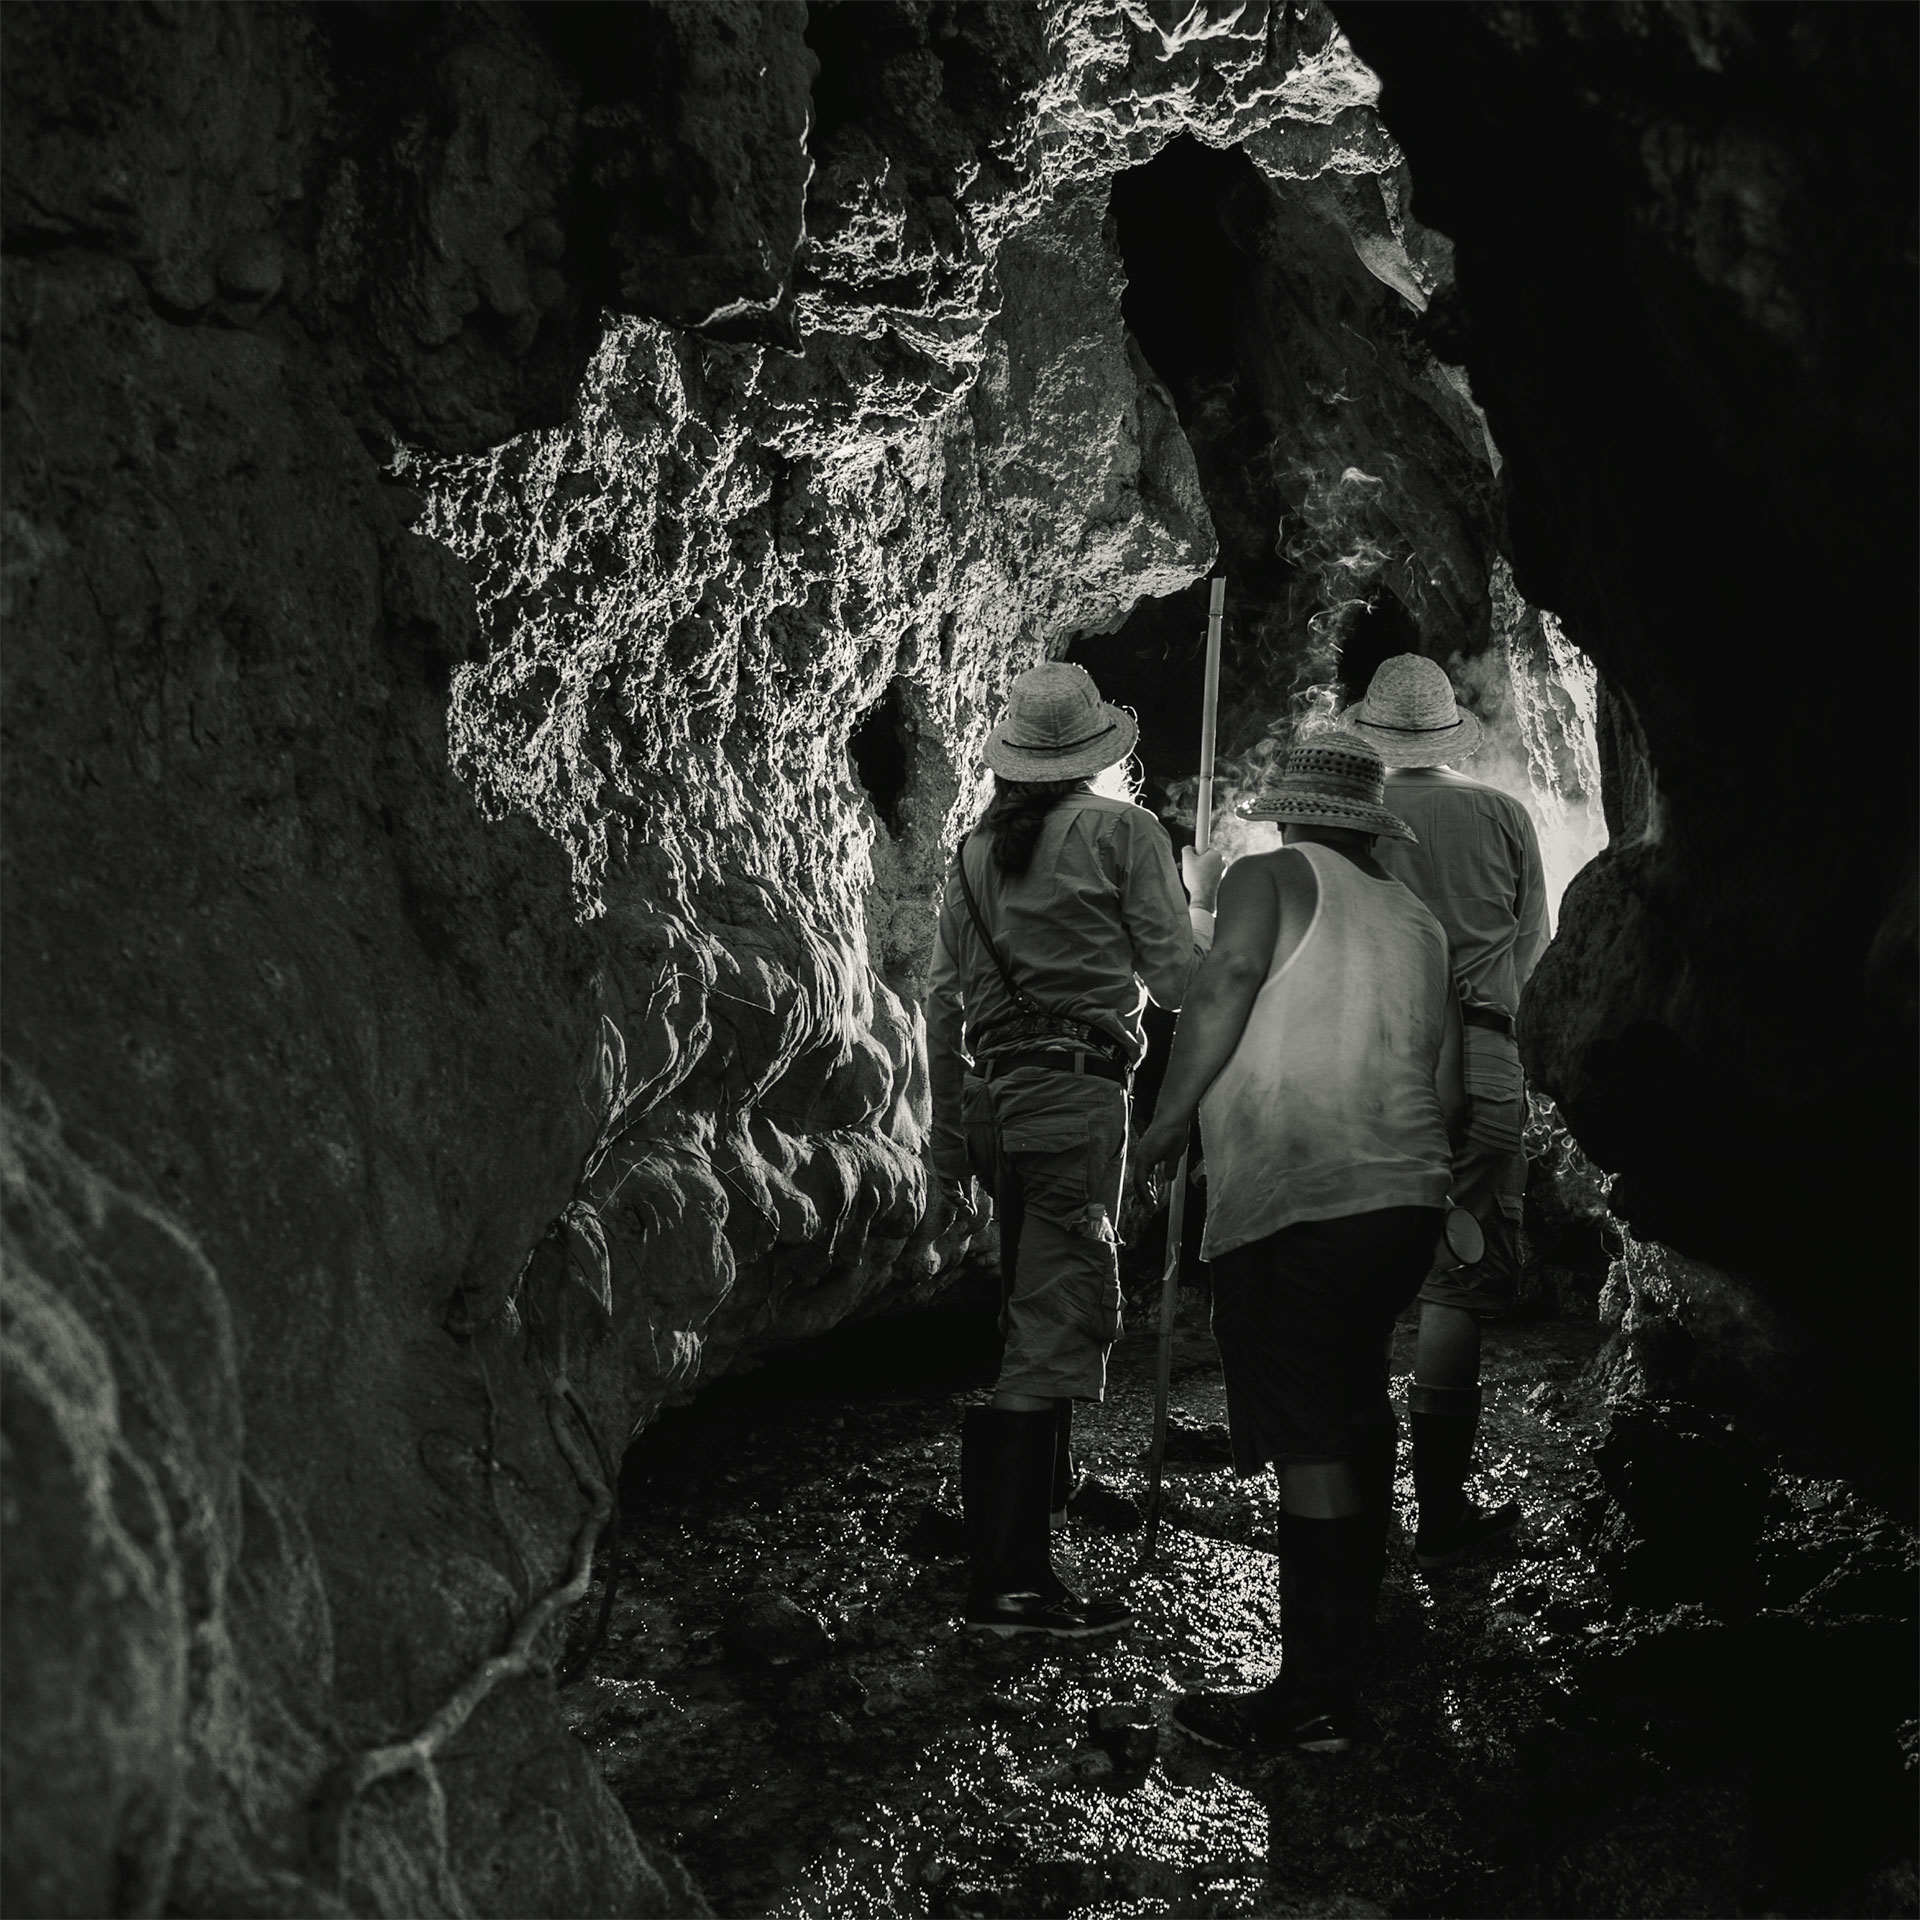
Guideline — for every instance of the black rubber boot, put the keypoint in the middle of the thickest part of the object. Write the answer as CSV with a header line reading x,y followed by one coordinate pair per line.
x,y
1326,1611
1376,1454
1443,1421
1323,1627
1006,1482
1066,1479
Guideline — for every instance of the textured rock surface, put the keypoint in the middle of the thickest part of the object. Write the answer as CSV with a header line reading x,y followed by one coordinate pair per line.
x,y
691,597
1688,312
378,1155
295,1034
745,615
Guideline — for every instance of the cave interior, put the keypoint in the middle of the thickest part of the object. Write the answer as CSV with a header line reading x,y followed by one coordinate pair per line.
x,y
519,519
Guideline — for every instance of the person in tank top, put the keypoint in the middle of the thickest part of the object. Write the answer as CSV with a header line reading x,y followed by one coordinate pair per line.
x,y
1477,866
1320,1047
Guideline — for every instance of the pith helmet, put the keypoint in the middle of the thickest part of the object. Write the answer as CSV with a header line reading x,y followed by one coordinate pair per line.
x,y
1056,727
1410,714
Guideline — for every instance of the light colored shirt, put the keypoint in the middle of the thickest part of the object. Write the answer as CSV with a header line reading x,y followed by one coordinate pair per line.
x,y
1477,868
1097,924
1329,1104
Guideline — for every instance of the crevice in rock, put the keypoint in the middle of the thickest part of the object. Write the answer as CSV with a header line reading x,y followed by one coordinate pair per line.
x,y
851,41
881,748
1342,467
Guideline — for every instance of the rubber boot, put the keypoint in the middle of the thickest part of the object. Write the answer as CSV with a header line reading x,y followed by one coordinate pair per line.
x,y
1326,1611
1309,1705
1065,1478
1376,1453
1443,1421
1006,1481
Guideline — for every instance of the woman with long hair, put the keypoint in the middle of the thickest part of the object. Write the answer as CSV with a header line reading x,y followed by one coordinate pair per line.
x,y
1062,914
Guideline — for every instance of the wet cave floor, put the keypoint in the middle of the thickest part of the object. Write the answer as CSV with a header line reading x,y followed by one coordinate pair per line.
x,y
898,1766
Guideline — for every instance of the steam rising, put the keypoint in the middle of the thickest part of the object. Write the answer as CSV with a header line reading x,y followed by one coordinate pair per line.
x,y
1540,714
1534,693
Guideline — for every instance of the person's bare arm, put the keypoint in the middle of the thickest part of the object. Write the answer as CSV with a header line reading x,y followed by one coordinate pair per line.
x,y
1215,1015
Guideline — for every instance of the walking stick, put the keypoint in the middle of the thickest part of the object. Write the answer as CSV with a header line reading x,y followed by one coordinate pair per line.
x,y
1177,1201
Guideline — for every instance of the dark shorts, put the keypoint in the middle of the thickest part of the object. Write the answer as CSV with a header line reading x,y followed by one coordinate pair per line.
x,y
1303,1318
1489,1178
1052,1149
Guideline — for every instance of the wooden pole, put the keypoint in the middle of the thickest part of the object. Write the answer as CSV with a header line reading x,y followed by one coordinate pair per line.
x,y
1177,1201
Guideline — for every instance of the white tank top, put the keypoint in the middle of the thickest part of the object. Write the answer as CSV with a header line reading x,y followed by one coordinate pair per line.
x,y
1328,1105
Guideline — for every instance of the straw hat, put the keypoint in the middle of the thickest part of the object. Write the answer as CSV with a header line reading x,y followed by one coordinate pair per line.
x,y
1410,714
1056,727
1329,780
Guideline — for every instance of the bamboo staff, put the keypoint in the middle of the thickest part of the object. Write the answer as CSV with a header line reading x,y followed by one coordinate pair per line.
x,y
1177,1202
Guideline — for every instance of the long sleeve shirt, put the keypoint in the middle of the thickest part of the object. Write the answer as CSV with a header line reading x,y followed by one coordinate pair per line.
x,y
1477,869
1097,923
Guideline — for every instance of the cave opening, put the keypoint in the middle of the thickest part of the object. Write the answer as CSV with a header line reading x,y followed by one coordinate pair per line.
x,y
1353,490
1187,284
853,42
1190,296
880,747
1380,629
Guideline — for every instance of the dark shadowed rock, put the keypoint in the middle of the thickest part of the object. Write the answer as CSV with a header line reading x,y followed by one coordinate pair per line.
x,y
1128,1734
813,1690
1097,1505
1690,327
935,1534
771,1630
1689,1495
1191,1444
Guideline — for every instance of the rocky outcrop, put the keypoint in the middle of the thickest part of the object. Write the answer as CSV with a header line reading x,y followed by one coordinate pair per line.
x,y
1684,256
293,1033
483,486
691,597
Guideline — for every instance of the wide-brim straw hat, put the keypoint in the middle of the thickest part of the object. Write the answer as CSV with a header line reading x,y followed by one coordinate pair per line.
x,y
1410,714
1332,779
1056,727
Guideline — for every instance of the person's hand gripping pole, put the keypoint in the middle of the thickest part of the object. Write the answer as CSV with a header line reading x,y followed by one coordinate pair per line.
x,y
1177,1201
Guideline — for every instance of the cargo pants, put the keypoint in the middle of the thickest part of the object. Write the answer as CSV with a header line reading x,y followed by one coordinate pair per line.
x,y
1489,1176
1051,1147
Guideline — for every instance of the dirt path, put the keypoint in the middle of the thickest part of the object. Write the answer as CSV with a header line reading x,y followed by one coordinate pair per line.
x,y
911,1770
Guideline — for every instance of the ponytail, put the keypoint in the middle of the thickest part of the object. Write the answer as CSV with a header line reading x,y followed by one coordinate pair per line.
x,y
1015,815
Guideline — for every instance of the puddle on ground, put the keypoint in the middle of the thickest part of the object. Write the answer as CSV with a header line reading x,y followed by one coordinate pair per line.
x,y
917,1771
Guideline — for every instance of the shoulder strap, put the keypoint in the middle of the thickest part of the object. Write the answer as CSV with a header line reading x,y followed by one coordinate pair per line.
x,y
1020,996
1079,1030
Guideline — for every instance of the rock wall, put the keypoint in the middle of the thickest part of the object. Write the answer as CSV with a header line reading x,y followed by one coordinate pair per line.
x,y
481,484
292,1033
1684,244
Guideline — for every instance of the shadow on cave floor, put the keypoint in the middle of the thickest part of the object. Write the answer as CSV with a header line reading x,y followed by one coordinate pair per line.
x,y
899,1768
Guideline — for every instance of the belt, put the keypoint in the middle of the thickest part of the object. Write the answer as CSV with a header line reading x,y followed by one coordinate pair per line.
x,y
1093,1066
1490,1017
